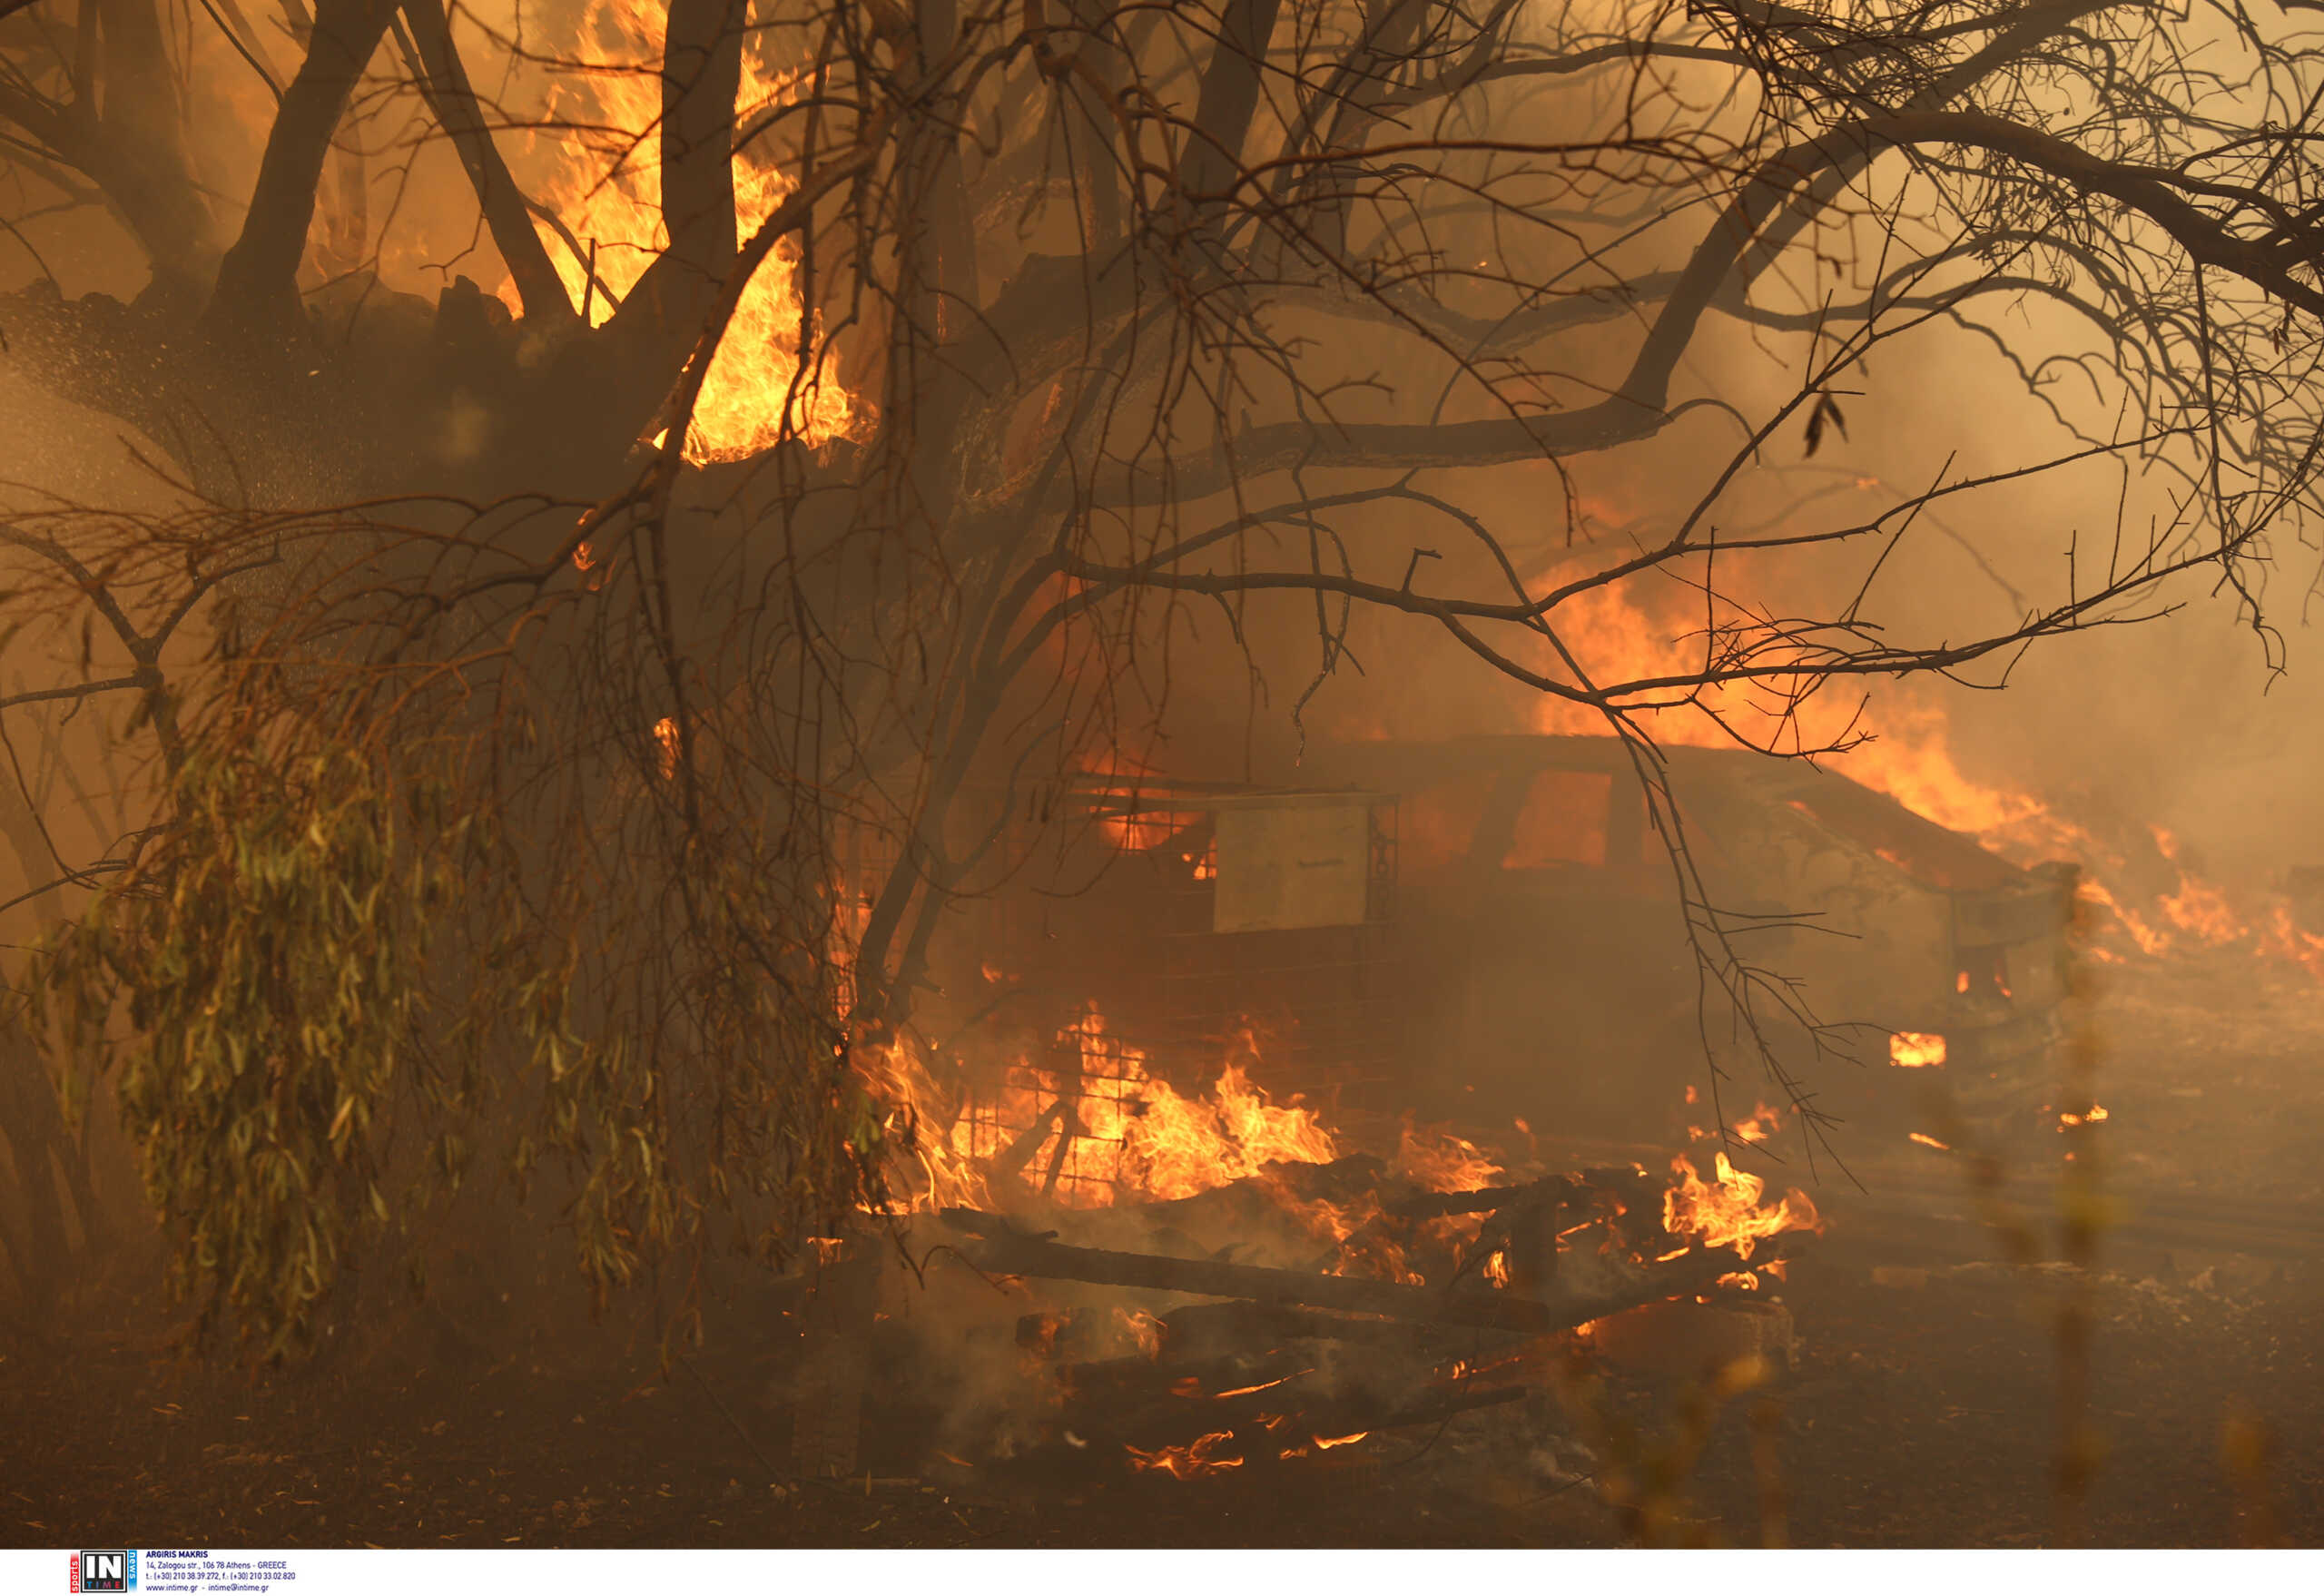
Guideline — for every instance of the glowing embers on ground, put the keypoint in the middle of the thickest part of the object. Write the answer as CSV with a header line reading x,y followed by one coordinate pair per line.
x,y
1257,1383
1916,1049
605,186
1205,1454
1220,1450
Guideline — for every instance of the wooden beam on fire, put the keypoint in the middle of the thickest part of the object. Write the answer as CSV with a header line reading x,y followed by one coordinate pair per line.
x,y
1003,1250
1632,1186
1021,1152
1438,1204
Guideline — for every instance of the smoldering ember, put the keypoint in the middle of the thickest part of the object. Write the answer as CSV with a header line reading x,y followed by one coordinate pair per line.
x,y
1371,773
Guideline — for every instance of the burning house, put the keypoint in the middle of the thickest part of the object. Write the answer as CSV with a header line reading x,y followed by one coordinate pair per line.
x,y
1489,927
1190,1058
1541,927
1235,1043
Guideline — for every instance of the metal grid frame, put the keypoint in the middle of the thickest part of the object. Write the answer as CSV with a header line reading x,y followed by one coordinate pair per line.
x,y
1097,1085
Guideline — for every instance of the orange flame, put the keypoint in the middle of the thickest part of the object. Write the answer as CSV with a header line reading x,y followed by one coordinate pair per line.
x,y
1185,1146
1435,1159
932,1171
1728,1213
2202,911
611,196
1105,1128
1146,829
1916,1049
2284,939
1196,1458
1143,1329
1758,1125
1908,755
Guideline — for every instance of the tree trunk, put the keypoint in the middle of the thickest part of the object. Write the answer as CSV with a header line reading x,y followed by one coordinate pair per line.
x,y
257,281
445,82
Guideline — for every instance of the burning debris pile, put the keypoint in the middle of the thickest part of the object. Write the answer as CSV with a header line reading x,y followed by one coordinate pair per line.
x,y
1289,1362
1336,1294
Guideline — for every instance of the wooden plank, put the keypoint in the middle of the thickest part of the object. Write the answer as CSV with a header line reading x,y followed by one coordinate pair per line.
x,y
1001,1250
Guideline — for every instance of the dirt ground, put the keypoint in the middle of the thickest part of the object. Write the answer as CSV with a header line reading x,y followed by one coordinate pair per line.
x,y
1920,1410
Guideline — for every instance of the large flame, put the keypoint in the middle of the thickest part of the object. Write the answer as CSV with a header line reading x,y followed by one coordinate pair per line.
x,y
1087,1127
608,193
929,1172
1179,1147
1901,746
1434,1158
1087,1124
1727,1212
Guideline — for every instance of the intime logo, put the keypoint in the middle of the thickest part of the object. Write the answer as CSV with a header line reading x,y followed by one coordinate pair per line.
x,y
104,1571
